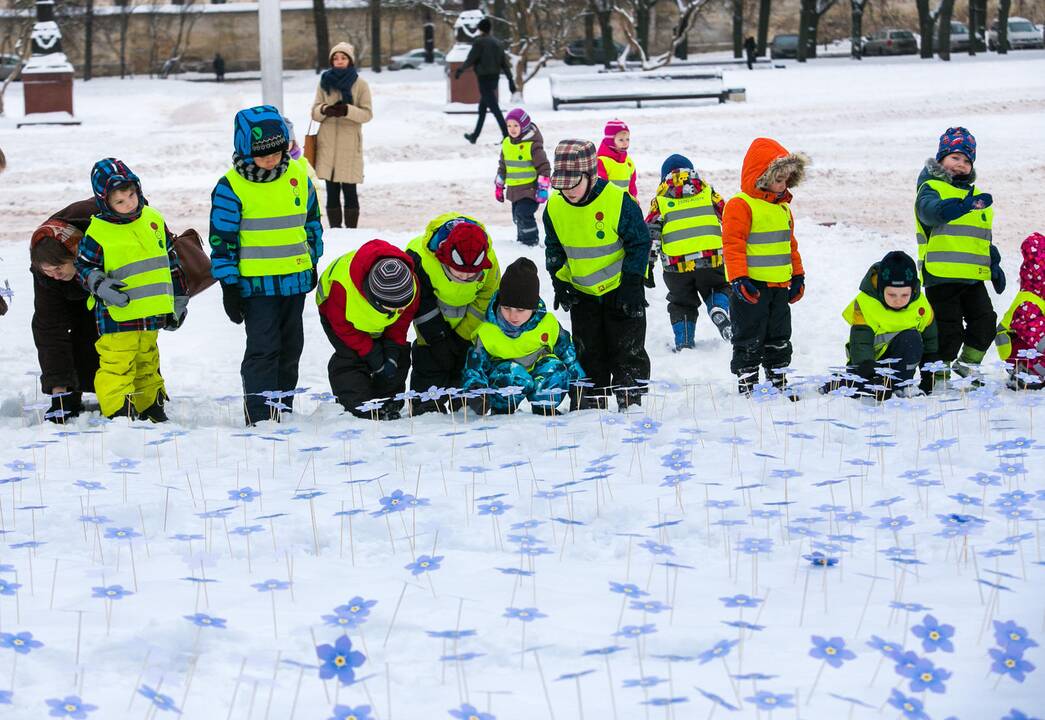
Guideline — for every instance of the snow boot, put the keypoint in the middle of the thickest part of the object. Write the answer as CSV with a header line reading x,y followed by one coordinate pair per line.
x,y
747,378
470,138
968,364
685,331
127,411
589,402
718,310
155,412
351,217
334,216
388,413
64,407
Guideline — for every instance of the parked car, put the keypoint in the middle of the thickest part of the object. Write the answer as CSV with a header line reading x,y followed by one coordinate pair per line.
x,y
414,59
1023,35
891,42
959,37
784,46
8,63
575,52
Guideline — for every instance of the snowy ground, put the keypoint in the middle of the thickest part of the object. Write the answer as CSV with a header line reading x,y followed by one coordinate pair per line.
x,y
594,499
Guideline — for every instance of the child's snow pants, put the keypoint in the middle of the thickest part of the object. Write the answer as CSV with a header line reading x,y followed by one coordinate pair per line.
x,y
128,366
523,212
964,314
762,331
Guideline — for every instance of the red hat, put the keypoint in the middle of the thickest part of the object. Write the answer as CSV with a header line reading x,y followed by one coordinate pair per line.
x,y
465,249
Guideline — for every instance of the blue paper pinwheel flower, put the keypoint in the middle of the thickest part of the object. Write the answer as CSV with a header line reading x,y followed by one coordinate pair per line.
x,y
22,643
424,563
469,712
832,651
912,708
524,614
70,707
933,635
339,660
765,700
344,712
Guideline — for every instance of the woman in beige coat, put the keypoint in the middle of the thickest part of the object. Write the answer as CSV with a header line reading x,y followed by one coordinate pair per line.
x,y
341,107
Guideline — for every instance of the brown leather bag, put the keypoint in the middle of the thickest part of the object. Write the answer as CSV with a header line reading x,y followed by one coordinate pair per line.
x,y
195,263
310,145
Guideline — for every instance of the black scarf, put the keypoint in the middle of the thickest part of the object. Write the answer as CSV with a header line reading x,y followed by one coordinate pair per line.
x,y
250,171
339,79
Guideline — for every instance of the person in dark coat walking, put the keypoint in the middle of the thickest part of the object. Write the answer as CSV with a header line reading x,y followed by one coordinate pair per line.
x,y
64,329
749,51
219,67
488,60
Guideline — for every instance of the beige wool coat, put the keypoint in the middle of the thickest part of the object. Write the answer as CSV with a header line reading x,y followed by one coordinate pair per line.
x,y
339,145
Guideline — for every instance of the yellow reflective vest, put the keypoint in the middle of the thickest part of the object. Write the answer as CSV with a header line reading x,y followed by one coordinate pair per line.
x,y
689,225
588,234
358,310
135,253
769,241
619,173
960,249
527,349
1003,340
887,323
272,237
518,162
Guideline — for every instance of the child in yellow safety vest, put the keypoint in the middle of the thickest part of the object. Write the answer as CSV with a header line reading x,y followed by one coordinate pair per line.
x,y
762,262
520,351
523,173
953,219
614,163
685,223
127,262
1021,333
892,327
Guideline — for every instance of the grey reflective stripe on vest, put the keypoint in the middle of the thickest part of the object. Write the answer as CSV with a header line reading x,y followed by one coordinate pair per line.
x,y
451,312
475,313
575,252
920,237
1002,338
622,183
687,233
140,266
528,360
593,279
286,222
773,236
434,312
768,260
963,231
271,252
153,290
521,164
885,338
963,258
690,212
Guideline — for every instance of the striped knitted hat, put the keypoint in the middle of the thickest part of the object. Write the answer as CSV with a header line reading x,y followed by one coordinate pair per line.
x,y
615,126
391,283
519,115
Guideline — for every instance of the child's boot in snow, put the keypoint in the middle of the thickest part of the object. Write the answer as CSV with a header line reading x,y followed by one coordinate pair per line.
x,y
126,411
718,310
968,363
684,331
155,412
747,378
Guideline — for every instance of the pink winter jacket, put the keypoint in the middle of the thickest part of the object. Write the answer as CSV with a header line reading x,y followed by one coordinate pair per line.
x,y
608,149
1028,322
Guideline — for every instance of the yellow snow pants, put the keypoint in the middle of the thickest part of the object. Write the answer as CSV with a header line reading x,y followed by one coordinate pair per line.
x,y
129,366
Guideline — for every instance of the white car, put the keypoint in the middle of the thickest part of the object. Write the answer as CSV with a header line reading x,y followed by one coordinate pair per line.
x,y
1023,34
414,59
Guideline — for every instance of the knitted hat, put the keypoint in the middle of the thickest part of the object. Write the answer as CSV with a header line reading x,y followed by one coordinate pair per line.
x,y
112,174
897,270
520,286
260,131
466,248
390,282
573,160
519,115
957,140
674,162
613,127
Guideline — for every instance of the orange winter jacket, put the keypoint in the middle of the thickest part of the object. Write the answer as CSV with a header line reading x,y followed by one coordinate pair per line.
x,y
736,219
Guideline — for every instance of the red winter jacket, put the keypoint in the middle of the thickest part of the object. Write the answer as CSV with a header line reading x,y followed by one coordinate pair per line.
x,y
333,307
1028,322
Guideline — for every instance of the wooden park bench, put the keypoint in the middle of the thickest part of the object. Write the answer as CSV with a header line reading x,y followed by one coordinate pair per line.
x,y
639,87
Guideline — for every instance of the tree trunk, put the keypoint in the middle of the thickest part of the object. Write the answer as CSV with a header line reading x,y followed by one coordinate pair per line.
x,y
981,25
803,31
319,19
609,50
429,37
124,20
642,23
589,38
944,20
856,8
925,29
88,40
764,10
500,29
375,35
1004,6
738,28
973,25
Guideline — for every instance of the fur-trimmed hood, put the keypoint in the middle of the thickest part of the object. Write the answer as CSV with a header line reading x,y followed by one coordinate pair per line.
x,y
932,170
765,159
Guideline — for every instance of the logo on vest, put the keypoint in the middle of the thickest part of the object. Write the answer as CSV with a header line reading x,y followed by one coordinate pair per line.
x,y
599,225
544,337
297,193
921,311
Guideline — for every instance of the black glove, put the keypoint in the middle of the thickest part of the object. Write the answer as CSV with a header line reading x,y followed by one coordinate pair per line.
x,y
443,353
336,110
181,309
630,297
457,75
232,301
997,274
375,359
797,289
566,296
982,201
388,371
649,280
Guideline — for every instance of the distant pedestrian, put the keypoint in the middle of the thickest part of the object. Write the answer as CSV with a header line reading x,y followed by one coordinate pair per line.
x,y
749,51
219,67
488,60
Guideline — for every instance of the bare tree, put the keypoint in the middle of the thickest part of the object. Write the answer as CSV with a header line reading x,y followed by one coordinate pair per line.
x,y
688,12
88,40
738,28
602,10
809,24
536,31
927,19
1004,6
319,19
375,35
765,8
26,48
944,20
856,10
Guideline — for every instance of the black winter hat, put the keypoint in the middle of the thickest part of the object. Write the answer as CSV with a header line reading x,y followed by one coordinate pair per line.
x,y
520,286
391,283
898,270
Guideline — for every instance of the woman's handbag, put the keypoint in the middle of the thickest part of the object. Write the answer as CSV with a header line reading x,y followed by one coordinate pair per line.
x,y
310,144
194,262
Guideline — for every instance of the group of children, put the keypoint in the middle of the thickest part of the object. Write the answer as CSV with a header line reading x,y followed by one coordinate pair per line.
x,y
486,340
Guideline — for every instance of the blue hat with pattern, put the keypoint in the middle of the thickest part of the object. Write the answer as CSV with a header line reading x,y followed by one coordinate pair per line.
x,y
108,175
259,131
957,140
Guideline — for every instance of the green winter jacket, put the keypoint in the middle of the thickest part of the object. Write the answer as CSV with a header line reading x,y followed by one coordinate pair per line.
x,y
861,337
